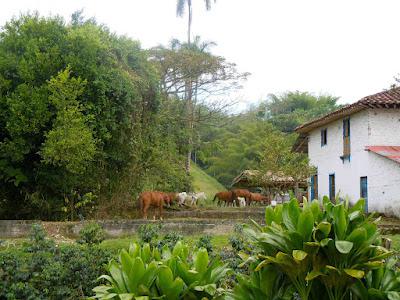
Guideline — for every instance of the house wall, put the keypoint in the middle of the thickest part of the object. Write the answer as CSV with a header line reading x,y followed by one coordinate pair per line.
x,y
327,158
384,127
384,174
368,127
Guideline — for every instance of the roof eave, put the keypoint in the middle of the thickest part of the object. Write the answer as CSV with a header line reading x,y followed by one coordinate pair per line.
x,y
329,118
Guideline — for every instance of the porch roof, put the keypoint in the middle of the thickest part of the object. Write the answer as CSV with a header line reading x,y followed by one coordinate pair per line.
x,y
390,152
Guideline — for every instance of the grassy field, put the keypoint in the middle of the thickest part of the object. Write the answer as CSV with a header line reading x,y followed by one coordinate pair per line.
x,y
218,242
202,182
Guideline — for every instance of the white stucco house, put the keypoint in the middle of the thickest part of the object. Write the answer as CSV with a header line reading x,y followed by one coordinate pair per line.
x,y
356,152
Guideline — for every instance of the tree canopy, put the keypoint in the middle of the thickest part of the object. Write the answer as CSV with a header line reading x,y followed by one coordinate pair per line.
x,y
79,114
289,110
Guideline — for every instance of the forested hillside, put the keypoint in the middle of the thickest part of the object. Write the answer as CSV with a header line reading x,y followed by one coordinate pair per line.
x,y
260,138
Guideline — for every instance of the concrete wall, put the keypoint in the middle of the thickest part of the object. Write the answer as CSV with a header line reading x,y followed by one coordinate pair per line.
x,y
368,127
327,158
384,174
384,127
186,222
118,228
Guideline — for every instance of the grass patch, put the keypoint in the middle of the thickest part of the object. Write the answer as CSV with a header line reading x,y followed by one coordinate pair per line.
x,y
202,182
218,242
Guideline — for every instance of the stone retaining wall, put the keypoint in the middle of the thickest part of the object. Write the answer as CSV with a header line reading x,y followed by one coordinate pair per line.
x,y
184,222
119,228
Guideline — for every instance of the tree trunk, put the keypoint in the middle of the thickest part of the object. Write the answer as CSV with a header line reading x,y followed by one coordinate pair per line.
x,y
189,2
190,124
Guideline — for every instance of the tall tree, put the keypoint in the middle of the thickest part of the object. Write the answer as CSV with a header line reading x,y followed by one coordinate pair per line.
x,y
180,11
191,73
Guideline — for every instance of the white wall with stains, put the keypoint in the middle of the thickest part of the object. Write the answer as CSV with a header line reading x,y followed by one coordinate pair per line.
x,y
378,127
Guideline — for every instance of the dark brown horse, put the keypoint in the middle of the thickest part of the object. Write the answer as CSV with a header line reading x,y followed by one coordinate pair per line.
x,y
224,197
241,193
259,198
152,199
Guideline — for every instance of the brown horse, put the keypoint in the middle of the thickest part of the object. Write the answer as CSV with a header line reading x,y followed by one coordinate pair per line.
x,y
224,197
172,197
241,193
259,198
152,199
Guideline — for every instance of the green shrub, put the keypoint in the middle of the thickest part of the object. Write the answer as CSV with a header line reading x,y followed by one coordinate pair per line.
x,y
38,240
92,233
205,242
148,233
145,273
317,252
170,240
42,271
380,283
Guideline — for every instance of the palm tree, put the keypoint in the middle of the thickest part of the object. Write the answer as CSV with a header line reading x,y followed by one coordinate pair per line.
x,y
180,11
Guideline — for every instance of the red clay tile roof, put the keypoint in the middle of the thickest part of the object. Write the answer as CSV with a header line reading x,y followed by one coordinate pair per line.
x,y
385,99
390,152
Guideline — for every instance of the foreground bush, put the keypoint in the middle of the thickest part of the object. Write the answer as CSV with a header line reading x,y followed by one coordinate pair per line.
x,y
40,270
91,234
329,252
145,273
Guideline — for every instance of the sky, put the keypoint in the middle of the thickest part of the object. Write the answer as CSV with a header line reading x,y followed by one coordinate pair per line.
x,y
345,48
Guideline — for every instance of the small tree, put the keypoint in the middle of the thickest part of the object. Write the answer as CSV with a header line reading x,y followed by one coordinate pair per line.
x,y
280,160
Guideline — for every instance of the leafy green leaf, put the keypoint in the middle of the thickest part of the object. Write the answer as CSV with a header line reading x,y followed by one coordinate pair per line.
x,y
344,247
299,255
201,260
354,273
305,224
313,274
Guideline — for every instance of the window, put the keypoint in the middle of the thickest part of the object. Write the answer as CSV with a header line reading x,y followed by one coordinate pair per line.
x,y
364,190
332,191
346,139
314,187
324,137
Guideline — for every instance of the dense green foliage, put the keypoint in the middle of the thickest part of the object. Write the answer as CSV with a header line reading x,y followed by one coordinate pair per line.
x,y
148,233
289,110
145,273
331,252
80,113
248,142
92,234
40,270
262,138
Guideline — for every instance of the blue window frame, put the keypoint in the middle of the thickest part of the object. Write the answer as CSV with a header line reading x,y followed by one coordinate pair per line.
x,y
332,188
364,190
314,187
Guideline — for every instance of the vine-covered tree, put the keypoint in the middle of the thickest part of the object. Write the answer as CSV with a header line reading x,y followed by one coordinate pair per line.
x,y
79,120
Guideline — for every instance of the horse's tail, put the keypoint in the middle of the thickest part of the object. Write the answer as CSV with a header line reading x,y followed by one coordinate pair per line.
x,y
215,197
